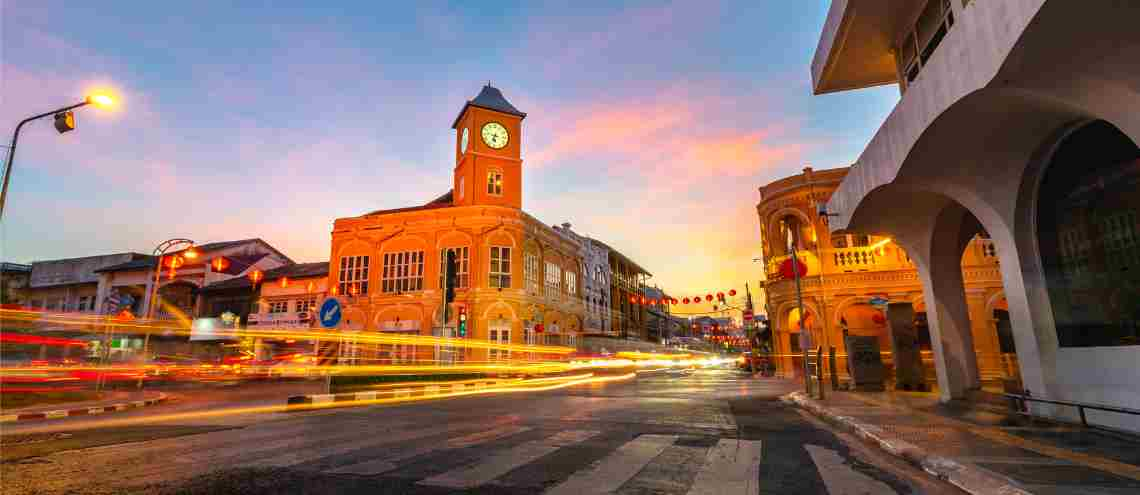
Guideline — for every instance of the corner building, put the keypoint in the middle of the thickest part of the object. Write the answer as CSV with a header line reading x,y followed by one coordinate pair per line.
x,y
845,271
518,279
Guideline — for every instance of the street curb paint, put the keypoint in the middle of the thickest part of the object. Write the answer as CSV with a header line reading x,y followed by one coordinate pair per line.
x,y
400,393
966,476
85,411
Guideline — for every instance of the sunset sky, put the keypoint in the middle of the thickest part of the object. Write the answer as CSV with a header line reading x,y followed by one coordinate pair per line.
x,y
650,125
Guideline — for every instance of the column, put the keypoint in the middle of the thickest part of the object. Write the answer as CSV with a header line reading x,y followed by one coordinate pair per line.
x,y
949,320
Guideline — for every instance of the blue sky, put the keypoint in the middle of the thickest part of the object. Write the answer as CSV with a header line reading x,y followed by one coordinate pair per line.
x,y
650,126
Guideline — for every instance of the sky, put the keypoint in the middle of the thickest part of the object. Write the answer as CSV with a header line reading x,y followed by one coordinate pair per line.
x,y
650,124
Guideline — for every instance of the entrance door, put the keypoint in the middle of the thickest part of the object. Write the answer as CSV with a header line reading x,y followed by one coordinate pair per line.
x,y
499,333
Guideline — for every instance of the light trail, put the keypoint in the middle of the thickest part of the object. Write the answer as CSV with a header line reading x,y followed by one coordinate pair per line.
x,y
524,386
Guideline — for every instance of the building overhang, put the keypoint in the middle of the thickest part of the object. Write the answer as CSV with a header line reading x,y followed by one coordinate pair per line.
x,y
855,47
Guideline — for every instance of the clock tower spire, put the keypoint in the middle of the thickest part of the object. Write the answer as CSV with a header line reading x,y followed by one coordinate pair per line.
x,y
488,143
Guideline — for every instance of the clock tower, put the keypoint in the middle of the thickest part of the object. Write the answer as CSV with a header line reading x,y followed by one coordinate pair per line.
x,y
488,143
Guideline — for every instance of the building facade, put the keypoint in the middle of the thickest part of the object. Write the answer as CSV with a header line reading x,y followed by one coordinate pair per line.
x,y
1019,119
845,271
519,280
14,281
627,317
597,288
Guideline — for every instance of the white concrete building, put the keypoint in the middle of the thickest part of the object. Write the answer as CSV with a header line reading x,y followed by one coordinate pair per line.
x,y
1018,118
595,269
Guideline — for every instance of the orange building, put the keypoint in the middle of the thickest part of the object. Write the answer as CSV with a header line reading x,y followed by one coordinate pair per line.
x,y
845,271
519,281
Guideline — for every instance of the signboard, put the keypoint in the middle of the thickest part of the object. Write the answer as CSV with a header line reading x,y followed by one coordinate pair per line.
x,y
279,320
330,313
865,362
878,301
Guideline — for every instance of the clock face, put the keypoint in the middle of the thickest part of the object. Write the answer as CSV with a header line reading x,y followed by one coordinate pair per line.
x,y
463,141
495,135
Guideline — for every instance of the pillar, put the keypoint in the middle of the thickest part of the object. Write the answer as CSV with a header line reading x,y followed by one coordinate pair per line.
x,y
948,317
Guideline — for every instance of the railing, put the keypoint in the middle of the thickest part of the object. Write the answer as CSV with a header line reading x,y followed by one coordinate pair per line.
x,y
1019,406
860,258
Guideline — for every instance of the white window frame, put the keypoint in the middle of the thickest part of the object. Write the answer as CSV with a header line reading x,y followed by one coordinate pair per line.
x,y
495,182
553,279
462,269
530,273
571,284
500,272
305,304
403,272
353,273
278,307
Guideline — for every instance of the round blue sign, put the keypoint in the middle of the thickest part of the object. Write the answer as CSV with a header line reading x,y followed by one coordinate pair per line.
x,y
330,313
878,301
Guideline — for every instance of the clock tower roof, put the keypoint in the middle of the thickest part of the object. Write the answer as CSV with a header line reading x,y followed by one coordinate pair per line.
x,y
489,98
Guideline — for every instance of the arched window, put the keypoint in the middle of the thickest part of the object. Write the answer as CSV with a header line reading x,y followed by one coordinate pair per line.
x,y
1088,229
789,225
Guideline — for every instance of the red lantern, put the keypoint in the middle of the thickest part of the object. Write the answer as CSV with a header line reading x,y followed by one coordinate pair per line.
x,y
719,296
674,301
538,328
309,288
255,276
632,300
786,268
335,290
878,318
731,292
708,297
220,264
284,282
643,300
685,300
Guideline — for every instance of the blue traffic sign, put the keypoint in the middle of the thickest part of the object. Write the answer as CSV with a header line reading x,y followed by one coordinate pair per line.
x,y
330,313
878,301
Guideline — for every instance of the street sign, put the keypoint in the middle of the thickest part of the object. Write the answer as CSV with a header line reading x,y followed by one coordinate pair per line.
x,y
878,301
330,313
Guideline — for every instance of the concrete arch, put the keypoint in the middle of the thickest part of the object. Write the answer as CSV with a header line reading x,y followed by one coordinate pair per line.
x,y
497,236
404,241
499,305
398,310
453,238
353,247
992,300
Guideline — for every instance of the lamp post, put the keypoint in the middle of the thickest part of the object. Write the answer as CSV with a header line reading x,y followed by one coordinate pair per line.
x,y
152,295
64,122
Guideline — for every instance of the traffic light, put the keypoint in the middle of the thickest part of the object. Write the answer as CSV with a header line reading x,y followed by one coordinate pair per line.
x,y
462,329
451,277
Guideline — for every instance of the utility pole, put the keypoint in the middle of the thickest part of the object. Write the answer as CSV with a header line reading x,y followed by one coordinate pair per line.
x,y
804,340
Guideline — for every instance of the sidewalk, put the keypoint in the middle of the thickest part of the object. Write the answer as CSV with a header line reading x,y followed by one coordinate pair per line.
x,y
113,401
981,447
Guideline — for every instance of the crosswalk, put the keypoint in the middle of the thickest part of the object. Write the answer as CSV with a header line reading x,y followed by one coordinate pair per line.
x,y
466,457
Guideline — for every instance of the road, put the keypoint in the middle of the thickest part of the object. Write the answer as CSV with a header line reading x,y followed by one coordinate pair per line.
x,y
703,432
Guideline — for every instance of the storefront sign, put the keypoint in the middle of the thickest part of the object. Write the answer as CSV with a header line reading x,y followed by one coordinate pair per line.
x,y
865,362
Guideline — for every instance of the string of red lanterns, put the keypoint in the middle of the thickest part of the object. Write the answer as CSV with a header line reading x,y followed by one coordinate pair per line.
x,y
642,300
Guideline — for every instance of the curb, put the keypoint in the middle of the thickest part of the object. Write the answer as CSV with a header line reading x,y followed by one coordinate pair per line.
x,y
397,393
968,477
84,411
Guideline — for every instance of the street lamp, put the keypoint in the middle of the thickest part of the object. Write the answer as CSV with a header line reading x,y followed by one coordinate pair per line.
x,y
64,122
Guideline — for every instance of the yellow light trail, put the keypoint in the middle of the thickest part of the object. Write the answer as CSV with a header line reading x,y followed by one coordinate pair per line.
x,y
569,381
109,323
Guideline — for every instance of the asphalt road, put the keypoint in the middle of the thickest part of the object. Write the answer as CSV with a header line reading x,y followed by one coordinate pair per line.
x,y
710,431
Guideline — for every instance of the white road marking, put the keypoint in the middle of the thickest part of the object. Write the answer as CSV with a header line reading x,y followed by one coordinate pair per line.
x,y
610,473
732,466
839,478
384,464
503,462
312,453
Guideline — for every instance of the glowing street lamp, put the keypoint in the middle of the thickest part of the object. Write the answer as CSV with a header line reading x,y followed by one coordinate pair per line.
x,y
64,122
